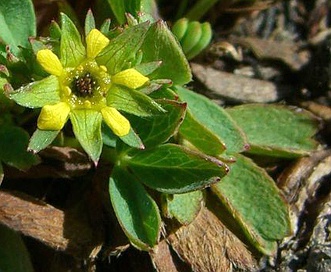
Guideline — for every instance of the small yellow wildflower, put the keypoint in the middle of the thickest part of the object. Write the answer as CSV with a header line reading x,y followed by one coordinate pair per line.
x,y
85,87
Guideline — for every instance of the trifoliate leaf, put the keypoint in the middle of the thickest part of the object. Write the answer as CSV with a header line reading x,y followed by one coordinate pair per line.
x,y
135,210
276,130
255,202
174,169
18,23
214,118
159,128
161,45
14,256
13,147
183,207
195,133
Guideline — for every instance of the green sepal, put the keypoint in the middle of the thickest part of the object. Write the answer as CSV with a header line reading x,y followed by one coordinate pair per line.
x,y
194,133
161,45
183,207
132,101
148,68
40,139
160,128
37,94
276,130
14,255
108,137
55,30
86,125
133,140
105,27
18,23
214,118
117,55
173,169
136,211
71,46
89,22
13,148
254,200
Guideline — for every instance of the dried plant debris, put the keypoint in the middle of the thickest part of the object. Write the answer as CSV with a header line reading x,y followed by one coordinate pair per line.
x,y
62,231
235,88
207,245
286,52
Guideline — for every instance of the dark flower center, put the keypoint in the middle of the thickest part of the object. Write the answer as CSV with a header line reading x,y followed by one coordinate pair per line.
x,y
83,86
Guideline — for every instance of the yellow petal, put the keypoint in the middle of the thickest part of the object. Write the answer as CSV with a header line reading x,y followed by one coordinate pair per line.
x,y
130,78
116,121
50,62
53,117
95,42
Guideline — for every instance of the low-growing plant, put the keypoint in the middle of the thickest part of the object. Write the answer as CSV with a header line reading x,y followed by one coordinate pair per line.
x,y
121,91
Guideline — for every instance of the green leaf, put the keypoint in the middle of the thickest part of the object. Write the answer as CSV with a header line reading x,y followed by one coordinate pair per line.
x,y
161,45
183,207
159,128
71,46
87,128
13,147
18,23
253,199
214,118
195,133
136,211
173,169
38,94
132,101
40,139
14,256
276,130
117,55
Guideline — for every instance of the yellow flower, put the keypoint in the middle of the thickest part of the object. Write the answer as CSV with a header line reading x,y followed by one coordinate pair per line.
x,y
85,87
88,85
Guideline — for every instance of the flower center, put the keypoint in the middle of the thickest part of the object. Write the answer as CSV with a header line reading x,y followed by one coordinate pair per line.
x,y
84,86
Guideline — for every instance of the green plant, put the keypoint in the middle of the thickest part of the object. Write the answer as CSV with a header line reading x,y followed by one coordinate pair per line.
x,y
123,89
